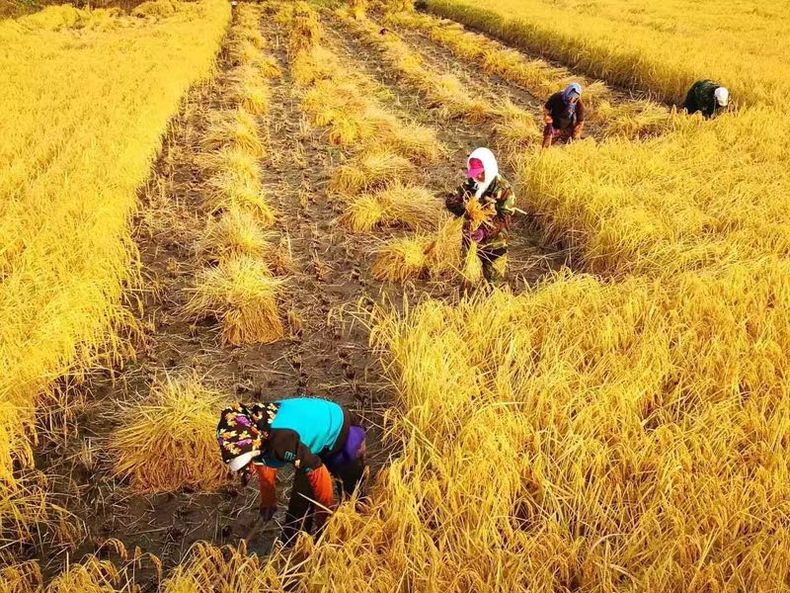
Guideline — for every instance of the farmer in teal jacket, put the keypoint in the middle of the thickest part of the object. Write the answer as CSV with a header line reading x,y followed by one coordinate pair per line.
x,y
318,437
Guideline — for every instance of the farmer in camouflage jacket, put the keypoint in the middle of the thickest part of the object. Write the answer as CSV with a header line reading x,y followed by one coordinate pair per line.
x,y
493,192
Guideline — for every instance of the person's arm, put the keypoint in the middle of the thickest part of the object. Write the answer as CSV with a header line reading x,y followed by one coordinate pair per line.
x,y
456,201
267,483
285,445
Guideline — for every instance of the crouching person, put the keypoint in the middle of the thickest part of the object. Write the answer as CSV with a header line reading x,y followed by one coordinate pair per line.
x,y
318,437
563,115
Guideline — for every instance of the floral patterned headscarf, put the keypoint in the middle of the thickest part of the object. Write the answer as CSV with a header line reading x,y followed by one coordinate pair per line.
x,y
243,428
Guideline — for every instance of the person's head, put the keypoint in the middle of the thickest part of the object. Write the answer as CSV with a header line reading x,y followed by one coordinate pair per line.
x,y
722,96
481,166
572,93
241,432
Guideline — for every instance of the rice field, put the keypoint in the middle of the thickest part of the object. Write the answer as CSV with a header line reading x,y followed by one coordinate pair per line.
x,y
271,223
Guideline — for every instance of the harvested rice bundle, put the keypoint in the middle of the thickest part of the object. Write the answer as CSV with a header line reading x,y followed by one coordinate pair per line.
x,y
444,251
472,271
411,206
237,232
401,259
246,85
242,295
166,442
370,171
233,128
364,214
228,190
230,159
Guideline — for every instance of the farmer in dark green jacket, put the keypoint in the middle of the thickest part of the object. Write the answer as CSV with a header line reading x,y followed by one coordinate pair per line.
x,y
491,190
707,97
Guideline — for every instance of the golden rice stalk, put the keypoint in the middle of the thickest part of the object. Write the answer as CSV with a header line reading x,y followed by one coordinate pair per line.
x,y
369,171
90,576
233,128
364,214
230,189
21,578
280,258
166,441
233,159
472,271
444,251
401,259
227,569
242,295
237,232
477,213
516,128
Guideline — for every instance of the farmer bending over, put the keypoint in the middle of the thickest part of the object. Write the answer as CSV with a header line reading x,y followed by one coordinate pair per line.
x,y
563,114
316,436
707,97
493,193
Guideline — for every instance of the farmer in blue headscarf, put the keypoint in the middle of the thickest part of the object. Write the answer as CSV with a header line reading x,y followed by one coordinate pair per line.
x,y
563,114
319,438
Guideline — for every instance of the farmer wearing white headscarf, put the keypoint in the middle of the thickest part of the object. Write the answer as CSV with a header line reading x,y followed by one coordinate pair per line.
x,y
707,97
494,194
563,115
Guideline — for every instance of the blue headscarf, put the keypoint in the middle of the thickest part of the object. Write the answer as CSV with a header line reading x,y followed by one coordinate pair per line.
x,y
571,89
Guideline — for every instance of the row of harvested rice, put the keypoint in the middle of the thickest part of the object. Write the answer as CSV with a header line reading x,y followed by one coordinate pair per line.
x,y
237,284
378,185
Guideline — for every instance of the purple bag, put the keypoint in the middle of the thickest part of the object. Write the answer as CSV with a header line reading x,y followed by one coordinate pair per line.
x,y
350,451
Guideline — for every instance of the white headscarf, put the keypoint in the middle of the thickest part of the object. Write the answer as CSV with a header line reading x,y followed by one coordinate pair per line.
x,y
490,168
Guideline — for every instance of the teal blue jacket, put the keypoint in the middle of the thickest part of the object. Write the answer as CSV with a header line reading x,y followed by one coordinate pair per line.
x,y
302,430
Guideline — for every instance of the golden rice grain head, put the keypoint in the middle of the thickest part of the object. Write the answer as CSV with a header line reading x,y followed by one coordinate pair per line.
x,y
233,128
363,214
236,232
242,294
90,576
166,441
24,577
401,259
369,171
229,189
